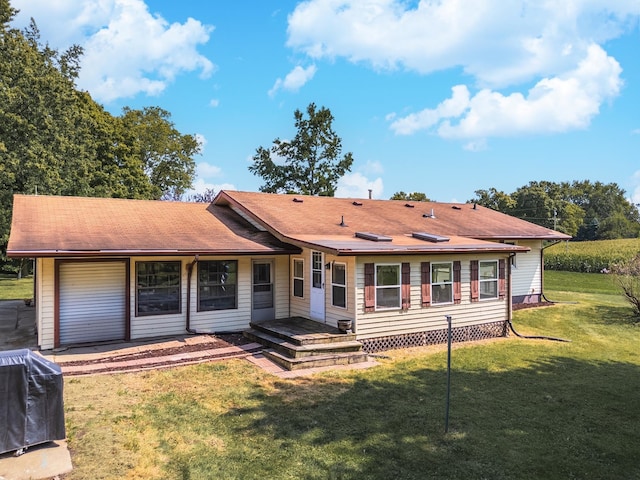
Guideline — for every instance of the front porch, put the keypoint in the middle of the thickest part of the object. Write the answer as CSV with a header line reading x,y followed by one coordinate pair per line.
x,y
296,343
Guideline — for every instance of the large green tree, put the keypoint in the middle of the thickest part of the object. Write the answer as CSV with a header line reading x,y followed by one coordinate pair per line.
x,y
583,209
309,164
56,140
412,196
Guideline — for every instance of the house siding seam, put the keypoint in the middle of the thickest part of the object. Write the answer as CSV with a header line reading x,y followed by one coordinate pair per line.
x,y
45,303
300,305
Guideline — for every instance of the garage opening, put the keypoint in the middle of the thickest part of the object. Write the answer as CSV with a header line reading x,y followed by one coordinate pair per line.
x,y
92,302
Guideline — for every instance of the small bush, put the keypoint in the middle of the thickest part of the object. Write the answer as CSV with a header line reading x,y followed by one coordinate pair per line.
x,y
627,276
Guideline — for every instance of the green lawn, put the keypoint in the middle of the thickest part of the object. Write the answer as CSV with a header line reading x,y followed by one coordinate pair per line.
x,y
12,289
558,281
520,409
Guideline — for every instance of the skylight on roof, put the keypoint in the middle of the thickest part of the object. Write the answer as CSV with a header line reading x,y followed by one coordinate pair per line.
x,y
374,237
429,237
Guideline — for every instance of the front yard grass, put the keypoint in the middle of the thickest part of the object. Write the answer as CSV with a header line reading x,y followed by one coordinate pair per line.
x,y
520,409
13,289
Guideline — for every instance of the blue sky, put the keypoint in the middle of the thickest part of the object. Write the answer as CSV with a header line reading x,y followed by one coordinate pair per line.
x,y
441,97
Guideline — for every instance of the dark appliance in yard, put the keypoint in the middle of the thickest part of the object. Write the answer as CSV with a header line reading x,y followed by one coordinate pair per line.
x,y
31,403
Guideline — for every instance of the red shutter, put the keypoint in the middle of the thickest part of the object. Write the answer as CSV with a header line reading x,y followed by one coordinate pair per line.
x,y
369,287
457,288
425,269
406,286
502,283
475,293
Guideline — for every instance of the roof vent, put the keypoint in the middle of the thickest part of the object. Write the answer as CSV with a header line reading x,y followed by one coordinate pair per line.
x,y
357,204
374,237
408,205
297,200
342,224
429,237
429,215
456,207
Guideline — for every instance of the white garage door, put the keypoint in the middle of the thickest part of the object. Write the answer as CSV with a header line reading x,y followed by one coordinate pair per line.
x,y
92,302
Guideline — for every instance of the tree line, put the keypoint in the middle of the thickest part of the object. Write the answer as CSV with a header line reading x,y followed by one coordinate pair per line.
x,y
56,140
583,209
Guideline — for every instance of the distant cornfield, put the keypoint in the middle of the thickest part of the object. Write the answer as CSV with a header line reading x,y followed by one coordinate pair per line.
x,y
590,257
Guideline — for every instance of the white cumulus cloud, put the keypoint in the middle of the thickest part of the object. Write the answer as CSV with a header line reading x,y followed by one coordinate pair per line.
x,y
499,45
127,49
206,170
558,104
294,80
356,185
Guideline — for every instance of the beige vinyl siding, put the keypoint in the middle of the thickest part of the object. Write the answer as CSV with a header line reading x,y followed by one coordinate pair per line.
x,y
228,320
333,314
45,302
418,318
300,305
527,273
282,286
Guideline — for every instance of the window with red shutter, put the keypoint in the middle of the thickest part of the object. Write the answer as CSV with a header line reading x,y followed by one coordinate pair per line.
x,y
502,279
425,286
369,287
475,290
457,288
406,286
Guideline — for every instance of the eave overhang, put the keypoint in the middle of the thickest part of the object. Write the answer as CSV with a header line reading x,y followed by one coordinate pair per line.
x,y
147,253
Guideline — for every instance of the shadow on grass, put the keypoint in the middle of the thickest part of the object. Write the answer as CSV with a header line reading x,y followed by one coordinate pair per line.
x,y
614,315
559,418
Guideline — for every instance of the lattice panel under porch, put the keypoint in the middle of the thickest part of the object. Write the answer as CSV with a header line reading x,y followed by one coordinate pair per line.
x,y
434,337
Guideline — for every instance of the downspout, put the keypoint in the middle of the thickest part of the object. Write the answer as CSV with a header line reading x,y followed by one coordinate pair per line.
x,y
290,285
542,295
510,316
510,289
189,274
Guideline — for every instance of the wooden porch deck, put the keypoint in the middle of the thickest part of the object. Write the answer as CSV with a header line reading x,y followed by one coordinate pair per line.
x,y
298,342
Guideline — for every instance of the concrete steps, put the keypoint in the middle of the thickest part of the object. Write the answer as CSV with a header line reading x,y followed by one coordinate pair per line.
x,y
299,343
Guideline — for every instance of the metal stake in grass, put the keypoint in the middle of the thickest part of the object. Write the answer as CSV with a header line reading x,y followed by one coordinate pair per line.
x,y
446,415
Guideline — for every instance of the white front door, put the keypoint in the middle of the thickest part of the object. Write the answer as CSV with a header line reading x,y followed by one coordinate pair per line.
x,y
316,309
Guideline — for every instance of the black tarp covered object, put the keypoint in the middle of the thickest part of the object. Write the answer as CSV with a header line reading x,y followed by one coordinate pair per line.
x,y
31,403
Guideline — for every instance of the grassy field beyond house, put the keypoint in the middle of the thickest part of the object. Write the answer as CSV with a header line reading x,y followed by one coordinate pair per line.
x,y
13,289
590,257
520,409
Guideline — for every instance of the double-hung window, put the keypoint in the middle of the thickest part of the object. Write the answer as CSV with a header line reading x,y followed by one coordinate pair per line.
x,y
339,285
442,282
298,277
158,288
387,286
488,278
217,285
